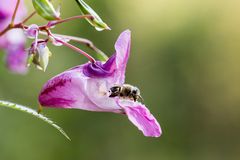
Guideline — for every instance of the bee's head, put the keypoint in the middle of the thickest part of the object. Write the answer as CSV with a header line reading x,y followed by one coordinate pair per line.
x,y
136,91
136,94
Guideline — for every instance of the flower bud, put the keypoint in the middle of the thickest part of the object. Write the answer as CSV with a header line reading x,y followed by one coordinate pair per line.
x,y
39,56
32,31
45,9
95,21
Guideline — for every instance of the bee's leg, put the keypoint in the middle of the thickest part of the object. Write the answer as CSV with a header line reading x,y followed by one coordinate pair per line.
x,y
134,98
141,99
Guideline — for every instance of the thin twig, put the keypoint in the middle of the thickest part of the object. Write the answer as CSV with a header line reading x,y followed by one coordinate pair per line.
x,y
5,30
14,13
90,58
84,41
9,27
53,23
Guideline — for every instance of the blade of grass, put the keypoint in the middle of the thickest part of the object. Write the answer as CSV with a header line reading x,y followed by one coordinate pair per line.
x,y
33,113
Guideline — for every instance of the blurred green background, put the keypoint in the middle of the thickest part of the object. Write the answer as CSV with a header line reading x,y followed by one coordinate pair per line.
x,y
184,58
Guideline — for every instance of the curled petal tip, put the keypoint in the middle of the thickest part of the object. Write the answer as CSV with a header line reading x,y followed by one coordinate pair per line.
x,y
127,31
141,117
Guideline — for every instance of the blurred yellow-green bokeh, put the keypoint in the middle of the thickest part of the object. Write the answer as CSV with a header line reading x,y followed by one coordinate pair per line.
x,y
185,58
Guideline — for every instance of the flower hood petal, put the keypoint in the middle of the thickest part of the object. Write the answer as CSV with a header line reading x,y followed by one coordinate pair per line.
x,y
116,65
122,47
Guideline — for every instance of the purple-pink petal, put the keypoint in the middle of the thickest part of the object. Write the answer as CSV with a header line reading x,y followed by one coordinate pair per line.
x,y
6,10
16,59
116,65
66,90
72,89
32,31
3,15
99,70
122,47
13,41
141,117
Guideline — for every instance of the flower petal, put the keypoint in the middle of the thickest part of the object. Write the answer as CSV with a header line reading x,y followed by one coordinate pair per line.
x,y
72,89
141,117
97,91
32,31
7,8
6,12
16,59
66,90
122,47
12,38
116,65
98,70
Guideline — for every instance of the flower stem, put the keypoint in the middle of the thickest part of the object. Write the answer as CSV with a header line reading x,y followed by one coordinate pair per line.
x,y
5,30
90,58
50,24
53,23
84,41
14,13
9,27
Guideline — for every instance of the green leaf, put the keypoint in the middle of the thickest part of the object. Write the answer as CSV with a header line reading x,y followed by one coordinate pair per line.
x,y
45,9
95,21
33,113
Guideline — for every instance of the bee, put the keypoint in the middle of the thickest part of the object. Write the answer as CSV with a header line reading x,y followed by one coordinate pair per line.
x,y
126,91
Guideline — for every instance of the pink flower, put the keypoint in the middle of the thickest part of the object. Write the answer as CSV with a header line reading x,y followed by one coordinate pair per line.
x,y
16,59
14,40
87,87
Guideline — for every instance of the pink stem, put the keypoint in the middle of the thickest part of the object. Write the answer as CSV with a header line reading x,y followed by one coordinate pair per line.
x,y
91,59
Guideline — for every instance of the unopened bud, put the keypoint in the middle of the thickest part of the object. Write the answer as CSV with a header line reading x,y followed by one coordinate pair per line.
x,y
39,56
95,21
46,10
32,31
